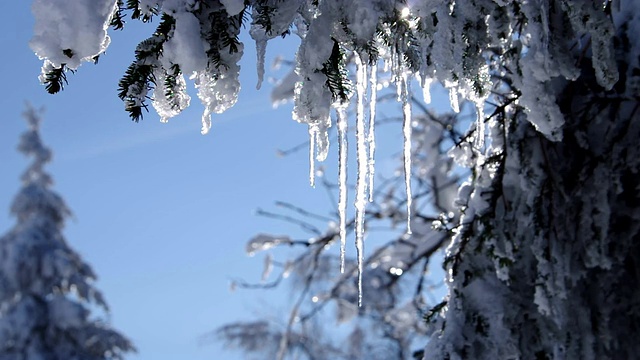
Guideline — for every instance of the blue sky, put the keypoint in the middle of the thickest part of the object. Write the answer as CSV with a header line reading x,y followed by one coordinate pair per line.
x,y
161,212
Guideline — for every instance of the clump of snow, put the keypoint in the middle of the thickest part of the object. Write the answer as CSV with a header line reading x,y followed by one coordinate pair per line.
x,y
185,46
71,31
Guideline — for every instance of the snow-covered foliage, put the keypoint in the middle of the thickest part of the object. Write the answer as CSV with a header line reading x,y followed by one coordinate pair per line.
x,y
46,289
543,264
543,260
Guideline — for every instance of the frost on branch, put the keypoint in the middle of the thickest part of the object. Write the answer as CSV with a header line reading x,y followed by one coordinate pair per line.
x,y
46,289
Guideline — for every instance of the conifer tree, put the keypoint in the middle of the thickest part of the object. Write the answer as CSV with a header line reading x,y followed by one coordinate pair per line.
x,y
46,289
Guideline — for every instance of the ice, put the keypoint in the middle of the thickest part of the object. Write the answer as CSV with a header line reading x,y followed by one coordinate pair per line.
x,y
261,50
361,153
342,180
267,268
453,99
480,124
371,138
406,132
312,160
169,107
426,90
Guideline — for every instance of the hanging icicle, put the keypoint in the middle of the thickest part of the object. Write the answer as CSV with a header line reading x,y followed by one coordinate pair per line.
x,y
362,157
371,138
261,50
342,180
406,132
426,89
312,158
453,99
480,124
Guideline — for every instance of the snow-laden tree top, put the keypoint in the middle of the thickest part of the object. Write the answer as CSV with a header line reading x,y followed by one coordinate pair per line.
x,y
46,289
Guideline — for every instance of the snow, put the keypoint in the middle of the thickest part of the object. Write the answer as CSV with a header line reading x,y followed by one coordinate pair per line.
x,y
363,17
262,242
463,154
71,31
426,89
185,46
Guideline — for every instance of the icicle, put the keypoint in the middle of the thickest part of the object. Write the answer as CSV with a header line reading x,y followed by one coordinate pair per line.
x,y
261,50
312,160
406,131
322,140
453,99
396,75
371,139
480,124
206,122
426,89
342,180
361,184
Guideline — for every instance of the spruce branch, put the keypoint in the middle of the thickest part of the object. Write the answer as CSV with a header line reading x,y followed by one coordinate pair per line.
x,y
134,5
117,19
56,78
335,71
139,77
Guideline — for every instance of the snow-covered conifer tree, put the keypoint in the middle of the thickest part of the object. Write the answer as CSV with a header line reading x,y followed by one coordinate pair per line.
x,y
46,290
544,262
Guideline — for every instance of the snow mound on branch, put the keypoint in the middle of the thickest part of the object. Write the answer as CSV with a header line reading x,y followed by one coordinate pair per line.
x,y
185,47
71,31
